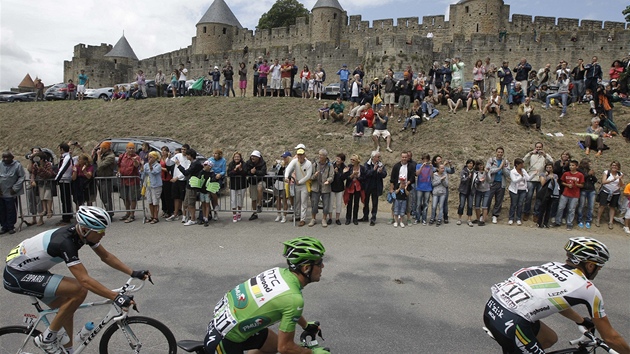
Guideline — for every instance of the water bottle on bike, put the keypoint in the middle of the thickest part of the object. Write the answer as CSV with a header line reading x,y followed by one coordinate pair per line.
x,y
84,332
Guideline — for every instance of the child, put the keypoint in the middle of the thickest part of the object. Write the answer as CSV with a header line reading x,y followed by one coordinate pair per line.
x,y
204,195
465,192
481,189
588,98
400,204
311,85
572,182
439,182
324,112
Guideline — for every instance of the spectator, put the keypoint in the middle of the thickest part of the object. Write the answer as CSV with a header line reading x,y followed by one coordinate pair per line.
x,y
355,175
401,191
355,91
440,186
41,173
414,118
174,82
263,72
153,184
321,179
405,90
323,112
424,187
474,96
518,191
105,166
216,81
160,83
456,99
532,84
256,169
167,186
179,182
490,81
141,81
563,93
190,197
281,190
548,195
380,130
129,165
577,76
612,182
505,78
626,193
418,86
428,106
367,120
344,75
305,76
72,90
446,72
359,71
526,115
594,134
435,79
522,73
517,95
466,194
337,186
543,92
493,106
444,93
593,76
33,200
285,77
320,78
587,194
389,96
83,83
242,78
255,68
303,170
375,171
479,71
437,160
11,187
498,169
83,185
39,87
238,184
481,189
294,71
616,69
144,152
183,73
458,72
535,162
375,90
572,182
64,179
228,79
336,110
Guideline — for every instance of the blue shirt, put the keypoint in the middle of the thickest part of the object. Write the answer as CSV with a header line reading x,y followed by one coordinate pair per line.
x,y
343,74
218,166
498,177
83,79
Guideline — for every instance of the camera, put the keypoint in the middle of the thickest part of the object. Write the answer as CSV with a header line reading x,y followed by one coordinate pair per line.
x,y
75,143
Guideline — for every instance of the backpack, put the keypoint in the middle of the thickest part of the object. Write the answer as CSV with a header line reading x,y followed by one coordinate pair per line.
x,y
324,77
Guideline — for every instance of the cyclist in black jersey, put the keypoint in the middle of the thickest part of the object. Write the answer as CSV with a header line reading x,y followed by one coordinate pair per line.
x,y
517,305
27,272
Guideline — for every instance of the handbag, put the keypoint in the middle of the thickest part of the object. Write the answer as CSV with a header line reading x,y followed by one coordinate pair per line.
x,y
377,99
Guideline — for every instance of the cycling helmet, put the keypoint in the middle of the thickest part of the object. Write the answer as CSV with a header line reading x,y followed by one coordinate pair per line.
x,y
587,249
303,250
94,218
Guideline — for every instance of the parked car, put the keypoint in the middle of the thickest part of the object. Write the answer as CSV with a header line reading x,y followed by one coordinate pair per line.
x,y
151,88
57,92
169,88
8,93
296,92
119,145
104,93
19,97
332,90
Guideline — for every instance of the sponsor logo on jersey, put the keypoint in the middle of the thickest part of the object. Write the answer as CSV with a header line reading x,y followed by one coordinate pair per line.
x,y
267,285
254,324
239,296
32,278
27,261
539,310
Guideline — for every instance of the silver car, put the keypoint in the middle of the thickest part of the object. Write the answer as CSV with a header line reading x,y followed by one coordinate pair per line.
x,y
104,93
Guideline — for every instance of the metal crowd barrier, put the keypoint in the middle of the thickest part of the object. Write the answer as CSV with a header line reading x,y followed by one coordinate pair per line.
x,y
104,192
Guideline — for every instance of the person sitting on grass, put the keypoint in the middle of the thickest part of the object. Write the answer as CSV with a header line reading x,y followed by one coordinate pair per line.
x,y
428,106
414,118
493,105
324,112
456,99
366,120
595,134
474,96
516,95
336,110
526,115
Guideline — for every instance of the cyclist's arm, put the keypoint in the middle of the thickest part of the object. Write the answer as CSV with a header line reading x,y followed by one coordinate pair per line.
x,y
286,345
610,335
571,314
81,274
112,260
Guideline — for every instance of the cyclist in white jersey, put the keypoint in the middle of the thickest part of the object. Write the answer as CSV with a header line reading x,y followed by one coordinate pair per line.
x,y
517,305
27,272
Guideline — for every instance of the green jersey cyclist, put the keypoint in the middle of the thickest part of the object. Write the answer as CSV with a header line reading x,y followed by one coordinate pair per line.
x,y
517,305
27,272
242,316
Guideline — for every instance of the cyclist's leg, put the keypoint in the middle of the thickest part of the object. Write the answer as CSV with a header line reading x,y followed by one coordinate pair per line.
x,y
263,342
69,295
546,336
513,333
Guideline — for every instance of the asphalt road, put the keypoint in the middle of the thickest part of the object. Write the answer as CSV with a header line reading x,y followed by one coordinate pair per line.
x,y
420,289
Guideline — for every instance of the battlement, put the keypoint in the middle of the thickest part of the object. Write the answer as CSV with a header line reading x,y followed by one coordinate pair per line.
x,y
91,51
434,22
525,23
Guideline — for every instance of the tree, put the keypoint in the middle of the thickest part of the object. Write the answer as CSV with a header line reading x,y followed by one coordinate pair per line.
x,y
282,14
626,12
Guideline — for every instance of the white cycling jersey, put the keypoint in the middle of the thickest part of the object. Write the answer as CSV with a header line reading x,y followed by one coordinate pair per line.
x,y
540,291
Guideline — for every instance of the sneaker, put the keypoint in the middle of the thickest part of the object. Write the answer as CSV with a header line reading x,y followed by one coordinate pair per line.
x,y
190,222
372,223
205,223
48,347
498,119
415,222
338,222
481,223
171,218
215,216
424,223
402,224
626,229
253,217
431,222
389,150
184,220
494,220
395,224
446,221
238,216
283,219
324,223
588,225
234,218
519,223
470,223
277,218
562,115
459,222
311,223
483,116
581,225
329,222
391,221
509,222
569,228
259,209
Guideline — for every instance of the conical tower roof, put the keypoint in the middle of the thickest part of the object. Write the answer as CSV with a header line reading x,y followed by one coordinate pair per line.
x,y
220,12
27,82
327,3
122,49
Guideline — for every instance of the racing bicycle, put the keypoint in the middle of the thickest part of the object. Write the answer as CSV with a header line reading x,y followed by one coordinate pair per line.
x,y
587,343
127,334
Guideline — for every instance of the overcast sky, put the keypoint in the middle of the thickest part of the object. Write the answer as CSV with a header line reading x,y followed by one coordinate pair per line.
x,y
36,36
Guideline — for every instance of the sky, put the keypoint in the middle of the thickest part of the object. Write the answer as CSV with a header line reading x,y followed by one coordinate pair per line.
x,y
36,36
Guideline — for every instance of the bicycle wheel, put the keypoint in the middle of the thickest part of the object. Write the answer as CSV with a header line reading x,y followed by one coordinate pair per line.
x,y
138,335
12,340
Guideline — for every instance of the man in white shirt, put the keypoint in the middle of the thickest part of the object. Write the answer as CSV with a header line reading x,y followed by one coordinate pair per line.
x,y
303,170
183,73
179,183
276,78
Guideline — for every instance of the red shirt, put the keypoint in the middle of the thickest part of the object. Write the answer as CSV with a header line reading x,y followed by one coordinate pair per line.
x,y
166,176
127,168
368,114
572,178
285,70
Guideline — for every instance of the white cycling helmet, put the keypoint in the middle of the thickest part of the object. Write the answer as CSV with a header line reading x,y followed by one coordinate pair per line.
x,y
587,249
94,218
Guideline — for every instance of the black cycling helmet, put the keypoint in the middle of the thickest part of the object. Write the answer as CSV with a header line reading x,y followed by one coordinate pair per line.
x,y
587,249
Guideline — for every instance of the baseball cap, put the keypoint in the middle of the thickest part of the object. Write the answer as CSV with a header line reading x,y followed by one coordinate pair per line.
x,y
300,152
216,67
256,153
345,65
376,78
286,154
208,163
300,146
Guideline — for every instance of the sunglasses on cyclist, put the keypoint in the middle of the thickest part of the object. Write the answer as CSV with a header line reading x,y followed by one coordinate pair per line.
x,y
319,264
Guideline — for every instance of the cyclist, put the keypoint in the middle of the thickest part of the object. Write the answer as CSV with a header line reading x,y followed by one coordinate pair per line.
x,y
243,314
27,272
514,311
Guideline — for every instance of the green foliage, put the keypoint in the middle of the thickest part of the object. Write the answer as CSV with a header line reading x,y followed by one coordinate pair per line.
x,y
282,14
626,13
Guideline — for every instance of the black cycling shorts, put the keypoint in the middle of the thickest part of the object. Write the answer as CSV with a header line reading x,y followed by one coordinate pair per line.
x,y
514,333
42,285
214,342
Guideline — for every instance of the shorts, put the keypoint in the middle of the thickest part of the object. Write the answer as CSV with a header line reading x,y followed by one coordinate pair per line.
x,y
404,101
80,88
381,133
236,198
214,342
627,215
603,199
130,192
178,189
389,98
253,190
204,197
513,333
45,191
262,81
190,200
242,85
153,195
286,82
275,84
355,99
42,285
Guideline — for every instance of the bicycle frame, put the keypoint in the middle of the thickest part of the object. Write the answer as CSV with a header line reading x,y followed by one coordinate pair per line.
x,y
115,314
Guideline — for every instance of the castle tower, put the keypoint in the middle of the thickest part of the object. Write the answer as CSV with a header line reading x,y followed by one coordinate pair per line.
x,y
478,16
122,50
327,21
216,29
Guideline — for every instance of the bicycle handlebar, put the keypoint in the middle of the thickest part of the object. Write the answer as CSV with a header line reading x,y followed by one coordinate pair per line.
x,y
130,288
590,340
